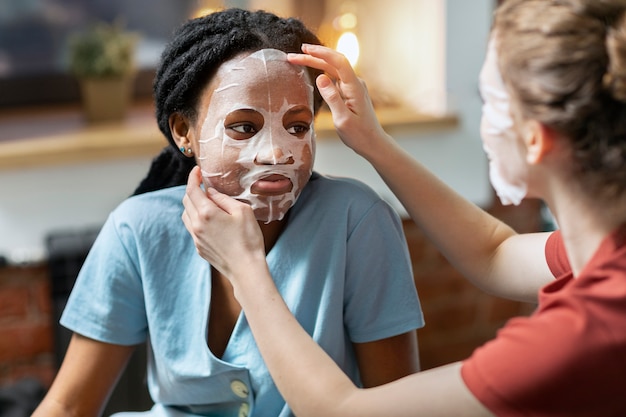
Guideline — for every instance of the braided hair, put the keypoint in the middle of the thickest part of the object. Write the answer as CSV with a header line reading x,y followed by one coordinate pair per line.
x,y
192,58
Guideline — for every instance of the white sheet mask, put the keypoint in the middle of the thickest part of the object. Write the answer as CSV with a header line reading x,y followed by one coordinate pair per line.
x,y
499,137
258,133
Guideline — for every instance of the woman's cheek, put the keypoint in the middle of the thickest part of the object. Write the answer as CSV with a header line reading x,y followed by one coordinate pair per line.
x,y
223,173
228,184
307,167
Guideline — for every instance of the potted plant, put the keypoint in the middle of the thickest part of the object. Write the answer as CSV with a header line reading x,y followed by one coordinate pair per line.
x,y
102,59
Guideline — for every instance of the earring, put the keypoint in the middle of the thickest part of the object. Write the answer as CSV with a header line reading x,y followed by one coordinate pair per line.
x,y
188,151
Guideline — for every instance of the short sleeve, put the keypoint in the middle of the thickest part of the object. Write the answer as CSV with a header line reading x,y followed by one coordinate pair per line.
x,y
379,274
106,302
565,359
556,257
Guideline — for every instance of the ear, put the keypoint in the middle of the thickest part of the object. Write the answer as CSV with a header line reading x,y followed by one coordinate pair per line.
x,y
539,141
181,131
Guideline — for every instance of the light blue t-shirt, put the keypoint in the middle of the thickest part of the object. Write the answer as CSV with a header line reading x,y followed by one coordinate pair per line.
x,y
341,264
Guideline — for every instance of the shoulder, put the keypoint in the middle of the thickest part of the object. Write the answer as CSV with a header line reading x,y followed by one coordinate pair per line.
x,y
154,202
330,199
152,211
556,256
133,229
348,188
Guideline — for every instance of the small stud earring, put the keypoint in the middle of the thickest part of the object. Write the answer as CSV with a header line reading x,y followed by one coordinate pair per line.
x,y
182,149
188,151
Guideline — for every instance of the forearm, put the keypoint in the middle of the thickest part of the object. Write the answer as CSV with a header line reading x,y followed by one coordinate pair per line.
x,y
50,408
467,236
86,378
302,371
313,385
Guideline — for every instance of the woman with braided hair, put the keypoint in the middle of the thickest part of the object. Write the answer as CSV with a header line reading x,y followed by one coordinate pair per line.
x,y
554,127
239,116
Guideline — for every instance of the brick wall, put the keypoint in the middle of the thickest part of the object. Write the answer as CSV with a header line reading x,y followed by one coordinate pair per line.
x,y
26,330
459,317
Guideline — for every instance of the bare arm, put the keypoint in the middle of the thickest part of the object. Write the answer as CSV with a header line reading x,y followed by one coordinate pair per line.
x,y
484,249
86,378
306,376
312,383
387,359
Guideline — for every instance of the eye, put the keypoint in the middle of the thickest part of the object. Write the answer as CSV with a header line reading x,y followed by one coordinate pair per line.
x,y
297,120
243,124
241,131
245,129
298,129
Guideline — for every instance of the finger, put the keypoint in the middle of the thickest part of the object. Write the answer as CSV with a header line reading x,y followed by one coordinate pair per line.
x,y
194,180
227,203
335,59
331,94
193,193
190,212
350,87
194,184
187,221
313,62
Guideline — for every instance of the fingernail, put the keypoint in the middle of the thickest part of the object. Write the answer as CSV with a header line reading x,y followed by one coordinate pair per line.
x,y
323,81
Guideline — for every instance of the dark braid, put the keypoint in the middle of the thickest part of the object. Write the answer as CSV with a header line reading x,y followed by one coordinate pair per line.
x,y
192,57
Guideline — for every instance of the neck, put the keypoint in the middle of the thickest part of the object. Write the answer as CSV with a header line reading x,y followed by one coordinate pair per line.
x,y
584,223
271,231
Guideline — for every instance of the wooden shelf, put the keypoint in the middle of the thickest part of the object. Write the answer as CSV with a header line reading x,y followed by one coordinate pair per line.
x,y
57,136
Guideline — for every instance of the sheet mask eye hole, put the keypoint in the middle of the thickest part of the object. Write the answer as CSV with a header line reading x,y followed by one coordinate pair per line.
x,y
243,124
298,120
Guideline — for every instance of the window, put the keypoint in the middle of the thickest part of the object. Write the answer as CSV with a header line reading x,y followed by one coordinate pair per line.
x,y
34,35
402,46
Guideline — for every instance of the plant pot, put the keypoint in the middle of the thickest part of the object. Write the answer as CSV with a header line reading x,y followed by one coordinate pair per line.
x,y
106,99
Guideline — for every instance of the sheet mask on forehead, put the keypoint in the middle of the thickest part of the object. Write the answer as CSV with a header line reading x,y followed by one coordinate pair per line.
x,y
262,83
496,128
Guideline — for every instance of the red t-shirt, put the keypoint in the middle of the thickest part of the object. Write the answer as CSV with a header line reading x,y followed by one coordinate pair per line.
x,y
568,358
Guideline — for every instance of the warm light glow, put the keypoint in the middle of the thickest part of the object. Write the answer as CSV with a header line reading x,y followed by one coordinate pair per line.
x,y
348,44
346,21
203,11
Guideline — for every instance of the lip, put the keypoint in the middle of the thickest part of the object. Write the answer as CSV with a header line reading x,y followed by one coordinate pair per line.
x,y
274,184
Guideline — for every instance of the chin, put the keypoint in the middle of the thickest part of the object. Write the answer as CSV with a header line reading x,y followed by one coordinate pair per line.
x,y
266,215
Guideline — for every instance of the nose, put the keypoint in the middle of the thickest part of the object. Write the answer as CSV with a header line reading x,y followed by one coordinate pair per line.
x,y
273,156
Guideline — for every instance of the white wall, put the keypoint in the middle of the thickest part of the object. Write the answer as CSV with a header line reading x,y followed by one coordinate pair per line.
x,y
456,156
34,202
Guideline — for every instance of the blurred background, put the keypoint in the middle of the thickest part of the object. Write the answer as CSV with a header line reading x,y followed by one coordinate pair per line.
x,y
398,47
